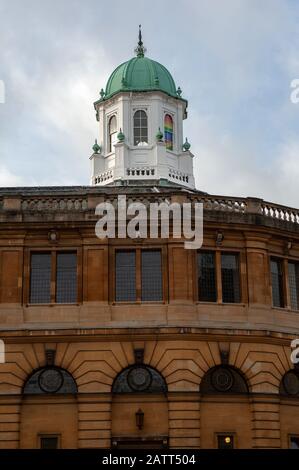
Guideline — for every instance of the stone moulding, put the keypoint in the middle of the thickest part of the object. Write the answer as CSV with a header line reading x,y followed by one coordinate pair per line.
x,y
68,200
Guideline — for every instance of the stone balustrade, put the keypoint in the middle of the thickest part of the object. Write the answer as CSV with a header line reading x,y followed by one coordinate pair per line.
x,y
53,204
86,198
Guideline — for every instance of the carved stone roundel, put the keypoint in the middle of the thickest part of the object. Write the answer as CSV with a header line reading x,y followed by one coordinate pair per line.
x,y
139,378
50,380
222,380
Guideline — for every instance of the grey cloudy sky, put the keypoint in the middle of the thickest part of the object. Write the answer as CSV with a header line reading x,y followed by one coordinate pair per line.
x,y
234,60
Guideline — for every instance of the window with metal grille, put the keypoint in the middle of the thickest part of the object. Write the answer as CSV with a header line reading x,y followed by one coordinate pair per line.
x,y
294,284
125,276
61,268
49,442
168,132
66,278
138,275
140,128
151,275
40,278
230,278
206,269
277,282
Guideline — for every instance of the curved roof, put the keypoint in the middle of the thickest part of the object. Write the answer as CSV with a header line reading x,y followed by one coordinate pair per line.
x,y
140,74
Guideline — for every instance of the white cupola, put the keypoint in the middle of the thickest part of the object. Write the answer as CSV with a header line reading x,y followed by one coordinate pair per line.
x,y
140,117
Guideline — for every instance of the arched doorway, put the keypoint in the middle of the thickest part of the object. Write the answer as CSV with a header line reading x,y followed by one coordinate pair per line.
x,y
139,408
49,410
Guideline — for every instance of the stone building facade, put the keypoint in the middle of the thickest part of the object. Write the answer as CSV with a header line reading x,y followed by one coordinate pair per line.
x,y
141,342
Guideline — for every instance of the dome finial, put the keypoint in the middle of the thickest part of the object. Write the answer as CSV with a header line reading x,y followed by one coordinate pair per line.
x,y
140,49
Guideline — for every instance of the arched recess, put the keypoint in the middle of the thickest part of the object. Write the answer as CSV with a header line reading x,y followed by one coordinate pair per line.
x,y
50,380
139,408
225,406
49,415
139,379
223,379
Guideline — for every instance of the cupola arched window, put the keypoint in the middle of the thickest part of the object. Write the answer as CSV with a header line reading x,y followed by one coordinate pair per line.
x,y
50,379
112,130
140,128
168,131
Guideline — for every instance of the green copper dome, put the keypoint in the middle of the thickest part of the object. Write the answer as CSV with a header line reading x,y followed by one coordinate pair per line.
x,y
140,74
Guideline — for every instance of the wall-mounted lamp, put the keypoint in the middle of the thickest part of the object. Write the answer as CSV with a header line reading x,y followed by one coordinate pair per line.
x,y
139,415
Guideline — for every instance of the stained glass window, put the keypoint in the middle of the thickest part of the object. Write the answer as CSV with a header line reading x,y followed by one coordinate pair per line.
x,y
168,132
140,128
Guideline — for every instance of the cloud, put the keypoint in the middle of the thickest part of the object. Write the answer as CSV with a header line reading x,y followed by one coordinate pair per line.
x,y
9,179
234,61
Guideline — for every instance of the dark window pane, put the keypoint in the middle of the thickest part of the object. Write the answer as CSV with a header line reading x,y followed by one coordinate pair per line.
x,y
230,278
294,285
207,290
40,278
277,283
49,442
125,276
294,442
66,278
225,441
151,275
